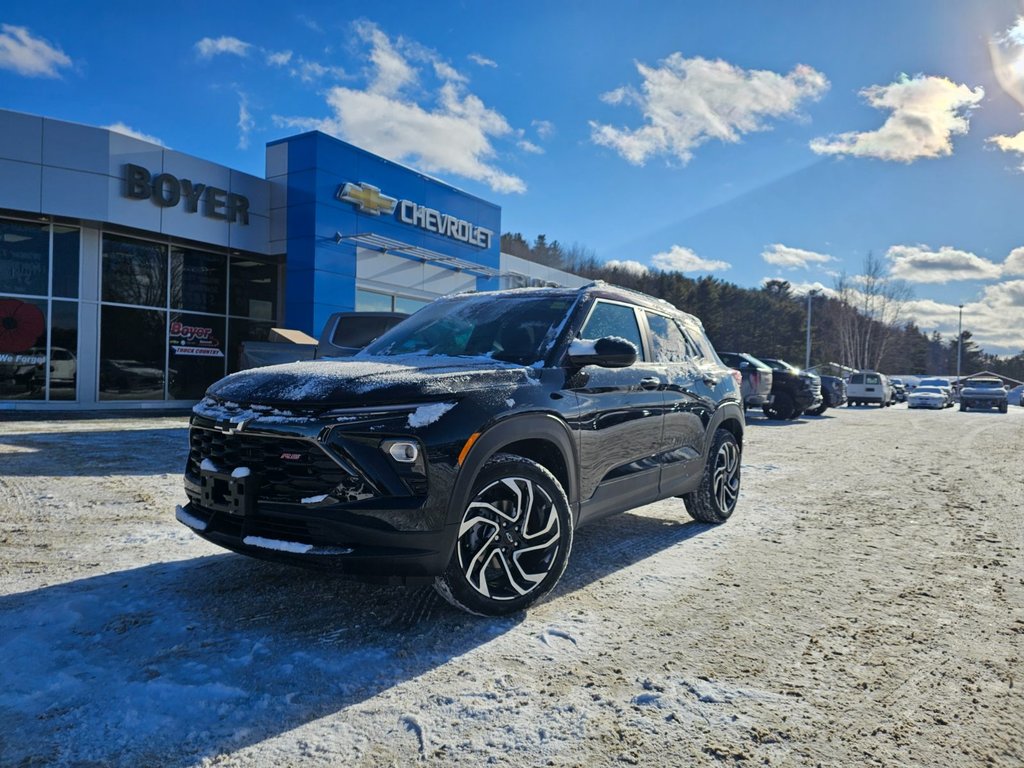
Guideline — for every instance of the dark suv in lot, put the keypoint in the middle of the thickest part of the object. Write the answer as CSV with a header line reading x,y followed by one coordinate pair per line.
x,y
468,443
793,391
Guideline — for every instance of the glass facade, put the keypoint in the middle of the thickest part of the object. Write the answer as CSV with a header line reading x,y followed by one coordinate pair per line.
x,y
166,332
38,333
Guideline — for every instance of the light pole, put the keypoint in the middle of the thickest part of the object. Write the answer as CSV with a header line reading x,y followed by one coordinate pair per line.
x,y
959,342
810,294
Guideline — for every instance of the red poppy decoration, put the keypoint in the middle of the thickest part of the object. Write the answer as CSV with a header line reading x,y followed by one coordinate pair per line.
x,y
21,325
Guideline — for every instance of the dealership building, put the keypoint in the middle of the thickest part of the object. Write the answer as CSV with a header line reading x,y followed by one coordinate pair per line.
x,y
131,274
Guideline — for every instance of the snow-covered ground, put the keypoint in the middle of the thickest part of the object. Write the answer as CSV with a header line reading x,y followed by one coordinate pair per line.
x,y
865,606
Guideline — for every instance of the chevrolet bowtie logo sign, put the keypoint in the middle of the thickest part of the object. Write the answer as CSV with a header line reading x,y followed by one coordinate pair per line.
x,y
367,198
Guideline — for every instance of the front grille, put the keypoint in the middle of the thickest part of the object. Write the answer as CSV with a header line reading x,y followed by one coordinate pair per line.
x,y
287,469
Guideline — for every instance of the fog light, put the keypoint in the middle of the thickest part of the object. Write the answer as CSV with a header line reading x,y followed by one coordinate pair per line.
x,y
404,452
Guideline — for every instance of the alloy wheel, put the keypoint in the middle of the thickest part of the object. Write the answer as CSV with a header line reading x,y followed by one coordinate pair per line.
x,y
509,538
725,479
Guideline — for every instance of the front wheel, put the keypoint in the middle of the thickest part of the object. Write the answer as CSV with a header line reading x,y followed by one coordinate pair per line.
x,y
782,407
715,498
514,539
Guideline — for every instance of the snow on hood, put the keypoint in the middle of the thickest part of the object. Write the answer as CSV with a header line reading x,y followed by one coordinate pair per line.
x,y
367,380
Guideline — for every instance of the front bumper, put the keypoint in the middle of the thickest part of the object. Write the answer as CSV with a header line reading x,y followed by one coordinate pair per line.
x,y
325,492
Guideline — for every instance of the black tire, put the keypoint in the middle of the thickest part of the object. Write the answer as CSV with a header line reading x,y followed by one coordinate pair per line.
x,y
818,411
1002,407
782,407
963,407
514,539
715,497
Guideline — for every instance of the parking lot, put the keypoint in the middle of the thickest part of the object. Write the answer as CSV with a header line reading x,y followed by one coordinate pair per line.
x,y
864,606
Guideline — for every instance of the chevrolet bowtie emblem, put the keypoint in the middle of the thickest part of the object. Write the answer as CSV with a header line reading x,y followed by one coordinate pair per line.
x,y
367,198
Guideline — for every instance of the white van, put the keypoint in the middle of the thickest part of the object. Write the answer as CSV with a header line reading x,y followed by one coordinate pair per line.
x,y
869,387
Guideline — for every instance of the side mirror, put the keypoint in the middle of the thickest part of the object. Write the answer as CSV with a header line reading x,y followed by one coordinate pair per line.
x,y
607,352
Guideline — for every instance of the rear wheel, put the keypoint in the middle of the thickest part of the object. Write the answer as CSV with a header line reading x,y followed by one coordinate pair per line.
x,y
513,542
782,407
715,498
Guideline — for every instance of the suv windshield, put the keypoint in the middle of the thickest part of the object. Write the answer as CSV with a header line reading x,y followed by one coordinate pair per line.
x,y
517,329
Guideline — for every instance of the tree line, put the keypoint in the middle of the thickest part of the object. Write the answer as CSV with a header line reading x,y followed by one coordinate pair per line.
x,y
862,326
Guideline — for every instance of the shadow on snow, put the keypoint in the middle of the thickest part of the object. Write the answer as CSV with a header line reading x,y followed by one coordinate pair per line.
x,y
169,663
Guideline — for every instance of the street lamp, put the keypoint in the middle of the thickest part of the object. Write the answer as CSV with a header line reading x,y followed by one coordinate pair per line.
x,y
811,293
959,342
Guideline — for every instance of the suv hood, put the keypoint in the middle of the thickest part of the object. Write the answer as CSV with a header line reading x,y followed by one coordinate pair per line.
x,y
368,381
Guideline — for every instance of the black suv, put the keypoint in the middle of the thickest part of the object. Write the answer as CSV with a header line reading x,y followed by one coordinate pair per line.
x,y
466,444
793,391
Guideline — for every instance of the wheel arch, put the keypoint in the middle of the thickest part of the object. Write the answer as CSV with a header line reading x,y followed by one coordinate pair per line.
x,y
542,438
729,417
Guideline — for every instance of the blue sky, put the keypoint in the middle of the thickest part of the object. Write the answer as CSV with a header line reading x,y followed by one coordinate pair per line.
x,y
741,140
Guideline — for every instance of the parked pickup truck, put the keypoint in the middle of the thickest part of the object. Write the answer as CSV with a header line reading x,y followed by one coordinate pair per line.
x,y
345,333
793,391
983,393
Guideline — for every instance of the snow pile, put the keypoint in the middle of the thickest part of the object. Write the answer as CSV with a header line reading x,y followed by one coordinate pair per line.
x,y
240,471
277,545
234,413
426,415
184,517
315,499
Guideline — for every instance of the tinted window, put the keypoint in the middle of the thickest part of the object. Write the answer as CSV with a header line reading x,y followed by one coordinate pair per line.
x,y
198,281
63,350
253,289
857,378
132,353
134,272
614,320
195,354
870,379
670,346
66,242
371,301
24,257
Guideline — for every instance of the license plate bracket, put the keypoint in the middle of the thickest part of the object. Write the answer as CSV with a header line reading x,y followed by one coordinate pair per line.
x,y
223,492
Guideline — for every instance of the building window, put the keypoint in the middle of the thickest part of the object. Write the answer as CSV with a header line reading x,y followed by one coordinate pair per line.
x,y
24,257
38,335
372,301
132,357
195,350
253,289
134,272
185,340
199,281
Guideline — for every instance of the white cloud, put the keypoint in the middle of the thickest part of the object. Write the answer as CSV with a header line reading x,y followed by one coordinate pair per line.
x,y
784,256
801,289
687,102
453,134
920,264
391,71
482,61
209,47
311,71
630,266
1014,264
129,131
926,113
245,122
545,128
680,259
994,319
1013,143
529,146
279,58
31,56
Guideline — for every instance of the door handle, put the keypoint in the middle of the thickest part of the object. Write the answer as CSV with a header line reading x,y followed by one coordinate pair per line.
x,y
650,382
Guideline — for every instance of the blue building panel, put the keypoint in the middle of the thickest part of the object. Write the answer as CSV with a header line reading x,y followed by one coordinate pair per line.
x,y
325,268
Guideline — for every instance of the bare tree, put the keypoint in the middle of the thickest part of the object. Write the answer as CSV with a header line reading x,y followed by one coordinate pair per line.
x,y
869,311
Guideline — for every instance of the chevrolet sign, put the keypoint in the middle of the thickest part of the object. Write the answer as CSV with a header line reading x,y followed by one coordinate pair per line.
x,y
368,199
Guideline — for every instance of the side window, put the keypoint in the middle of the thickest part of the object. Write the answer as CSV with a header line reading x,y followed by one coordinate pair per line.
x,y
857,378
670,345
614,320
698,343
